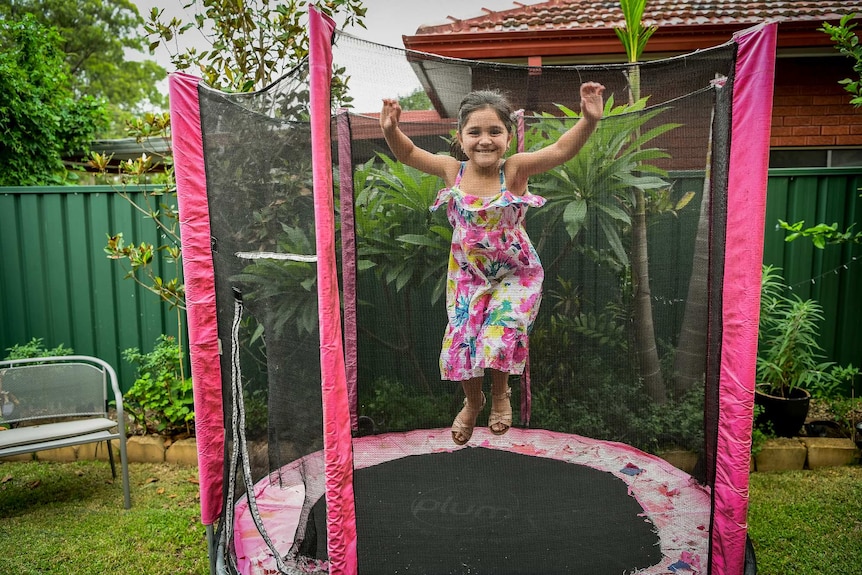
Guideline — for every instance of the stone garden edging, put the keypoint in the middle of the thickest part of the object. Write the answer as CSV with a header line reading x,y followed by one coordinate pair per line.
x,y
776,455
783,454
139,449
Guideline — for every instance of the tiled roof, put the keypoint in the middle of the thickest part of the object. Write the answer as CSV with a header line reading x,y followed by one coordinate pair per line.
x,y
592,14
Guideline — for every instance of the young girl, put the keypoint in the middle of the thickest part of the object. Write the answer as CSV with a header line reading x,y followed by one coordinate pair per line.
x,y
494,282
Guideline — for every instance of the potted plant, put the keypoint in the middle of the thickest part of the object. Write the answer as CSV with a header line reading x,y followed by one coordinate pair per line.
x,y
789,358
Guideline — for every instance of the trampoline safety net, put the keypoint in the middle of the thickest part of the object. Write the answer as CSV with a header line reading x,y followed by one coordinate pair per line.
x,y
625,355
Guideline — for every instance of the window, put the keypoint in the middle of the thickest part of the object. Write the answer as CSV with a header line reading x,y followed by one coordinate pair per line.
x,y
815,157
845,158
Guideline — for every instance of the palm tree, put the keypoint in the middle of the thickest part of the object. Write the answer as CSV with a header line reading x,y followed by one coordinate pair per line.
x,y
688,360
634,37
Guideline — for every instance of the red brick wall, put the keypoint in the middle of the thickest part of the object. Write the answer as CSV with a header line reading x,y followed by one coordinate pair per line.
x,y
810,108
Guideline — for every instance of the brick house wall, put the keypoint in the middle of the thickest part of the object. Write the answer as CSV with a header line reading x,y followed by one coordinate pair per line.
x,y
810,108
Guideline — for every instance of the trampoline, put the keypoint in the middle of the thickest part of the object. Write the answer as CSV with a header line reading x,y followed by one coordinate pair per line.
x,y
447,504
314,276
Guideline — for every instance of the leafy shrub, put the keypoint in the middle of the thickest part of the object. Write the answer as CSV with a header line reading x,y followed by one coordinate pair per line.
x,y
256,404
614,410
35,348
393,407
846,412
789,353
161,399
581,386
760,432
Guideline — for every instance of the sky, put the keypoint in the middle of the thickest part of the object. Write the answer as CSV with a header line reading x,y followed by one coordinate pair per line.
x,y
386,21
385,24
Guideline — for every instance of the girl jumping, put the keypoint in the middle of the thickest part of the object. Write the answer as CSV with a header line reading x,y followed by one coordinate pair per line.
x,y
494,280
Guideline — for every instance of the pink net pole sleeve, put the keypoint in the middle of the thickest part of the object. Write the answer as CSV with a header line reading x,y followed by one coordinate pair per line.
x,y
746,206
337,441
200,290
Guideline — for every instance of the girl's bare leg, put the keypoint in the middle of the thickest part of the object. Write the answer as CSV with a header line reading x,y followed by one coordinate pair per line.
x,y
500,418
465,421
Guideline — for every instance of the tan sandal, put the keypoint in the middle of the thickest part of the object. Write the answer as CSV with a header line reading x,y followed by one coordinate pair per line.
x,y
461,430
500,420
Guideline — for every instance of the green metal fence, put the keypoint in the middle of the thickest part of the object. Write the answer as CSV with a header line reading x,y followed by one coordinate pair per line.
x,y
832,276
56,282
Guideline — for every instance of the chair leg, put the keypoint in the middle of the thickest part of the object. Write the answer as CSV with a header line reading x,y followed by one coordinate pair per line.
x,y
111,459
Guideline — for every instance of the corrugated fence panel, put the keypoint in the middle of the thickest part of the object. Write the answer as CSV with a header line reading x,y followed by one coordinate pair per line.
x,y
57,283
832,276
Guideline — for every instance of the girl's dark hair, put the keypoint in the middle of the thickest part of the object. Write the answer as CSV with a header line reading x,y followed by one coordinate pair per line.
x,y
479,100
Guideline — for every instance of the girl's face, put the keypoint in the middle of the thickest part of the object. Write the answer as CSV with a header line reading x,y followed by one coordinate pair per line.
x,y
484,137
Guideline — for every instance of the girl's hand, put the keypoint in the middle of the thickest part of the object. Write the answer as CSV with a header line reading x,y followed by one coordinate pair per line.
x,y
592,103
390,114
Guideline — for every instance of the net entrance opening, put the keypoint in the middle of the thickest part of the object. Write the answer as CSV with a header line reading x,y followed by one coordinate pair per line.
x,y
620,349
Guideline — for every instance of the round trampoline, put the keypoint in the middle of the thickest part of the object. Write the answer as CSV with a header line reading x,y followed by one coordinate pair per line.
x,y
274,251
532,501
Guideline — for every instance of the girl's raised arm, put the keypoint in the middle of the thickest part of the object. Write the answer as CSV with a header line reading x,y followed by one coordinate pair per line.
x,y
521,166
406,152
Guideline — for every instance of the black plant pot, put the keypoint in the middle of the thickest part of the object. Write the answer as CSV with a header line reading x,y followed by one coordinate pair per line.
x,y
786,414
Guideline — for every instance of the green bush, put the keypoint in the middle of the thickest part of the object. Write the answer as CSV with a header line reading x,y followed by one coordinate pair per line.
x,y
581,387
608,408
393,407
789,352
35,348
161,399
256,404
760,432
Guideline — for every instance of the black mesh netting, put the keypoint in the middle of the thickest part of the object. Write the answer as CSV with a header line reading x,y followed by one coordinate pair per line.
x,y
624,348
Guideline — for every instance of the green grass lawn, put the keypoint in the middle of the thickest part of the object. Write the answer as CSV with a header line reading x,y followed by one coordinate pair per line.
x,y
807,522
68,518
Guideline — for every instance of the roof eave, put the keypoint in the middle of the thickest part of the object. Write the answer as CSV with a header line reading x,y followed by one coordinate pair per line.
x,y
600,41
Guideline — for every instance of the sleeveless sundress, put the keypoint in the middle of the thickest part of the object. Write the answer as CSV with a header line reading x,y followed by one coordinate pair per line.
x,y
494,282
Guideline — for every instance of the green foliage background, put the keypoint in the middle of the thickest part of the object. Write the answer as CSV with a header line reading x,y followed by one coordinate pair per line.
x,y
43,118
96,39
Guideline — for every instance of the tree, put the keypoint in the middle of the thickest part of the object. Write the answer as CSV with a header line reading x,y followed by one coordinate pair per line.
x,y
96,36
251,43
847,43
634,36
41,118
417,100
279,41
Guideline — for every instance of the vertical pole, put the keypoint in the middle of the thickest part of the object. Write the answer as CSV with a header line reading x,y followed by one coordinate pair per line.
x,y
337,441
753,86
348,260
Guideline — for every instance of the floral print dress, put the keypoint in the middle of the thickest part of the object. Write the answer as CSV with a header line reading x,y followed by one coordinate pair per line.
x,y
494,282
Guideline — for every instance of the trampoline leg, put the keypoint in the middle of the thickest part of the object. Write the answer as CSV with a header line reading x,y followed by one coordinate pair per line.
x,y
750,559
211,548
